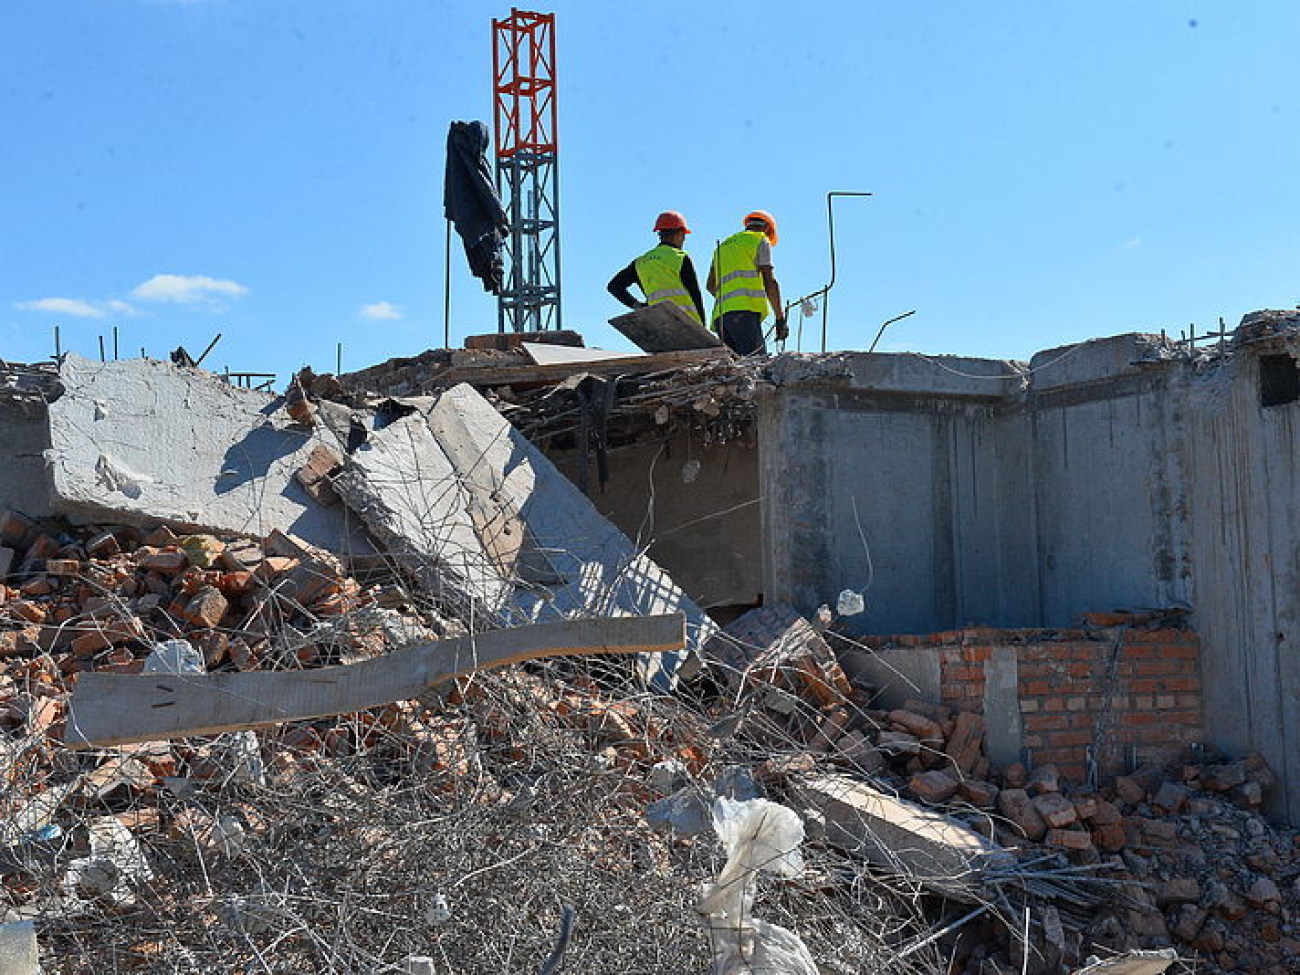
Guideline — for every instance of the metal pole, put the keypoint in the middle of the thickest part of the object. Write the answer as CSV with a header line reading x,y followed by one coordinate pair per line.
x,y
58,352
101,349
338,359
199,362
446,292
114,343
830,223
896,318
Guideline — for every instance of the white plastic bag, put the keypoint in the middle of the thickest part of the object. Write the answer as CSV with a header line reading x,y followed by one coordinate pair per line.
x,y
760,836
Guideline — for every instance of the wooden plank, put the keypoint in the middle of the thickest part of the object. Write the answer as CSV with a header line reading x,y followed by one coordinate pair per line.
x,y
622,366
114,709
664,327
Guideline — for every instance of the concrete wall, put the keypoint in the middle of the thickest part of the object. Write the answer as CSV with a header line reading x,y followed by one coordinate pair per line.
x,y
1244,473
705,533
1118,473
23,483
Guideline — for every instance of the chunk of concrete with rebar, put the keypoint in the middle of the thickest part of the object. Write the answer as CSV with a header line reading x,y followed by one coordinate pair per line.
x,y
937,852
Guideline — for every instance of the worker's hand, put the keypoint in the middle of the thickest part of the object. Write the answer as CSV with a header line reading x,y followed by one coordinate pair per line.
x,y
782,330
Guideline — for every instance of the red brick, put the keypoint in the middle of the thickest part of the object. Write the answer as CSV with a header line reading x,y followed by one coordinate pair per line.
x,y
1045,722
1069,839
1155,636
166,562
1016,805
107,634
1064,739
933,786
206,607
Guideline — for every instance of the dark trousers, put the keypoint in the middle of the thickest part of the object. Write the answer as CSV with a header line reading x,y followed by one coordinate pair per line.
x,y
742,331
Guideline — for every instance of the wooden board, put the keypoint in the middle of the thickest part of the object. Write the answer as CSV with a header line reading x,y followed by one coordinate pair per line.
x,y
114,709
665,328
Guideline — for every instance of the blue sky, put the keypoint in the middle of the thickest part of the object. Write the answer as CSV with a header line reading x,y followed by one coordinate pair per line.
x,y
272,169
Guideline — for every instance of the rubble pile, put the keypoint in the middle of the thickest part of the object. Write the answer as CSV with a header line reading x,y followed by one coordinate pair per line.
x,y
454,828
98,598
1187,856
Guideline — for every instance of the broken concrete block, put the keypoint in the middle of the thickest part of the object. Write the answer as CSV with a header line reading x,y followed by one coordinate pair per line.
x,y
482,519
18,949
923,845
143,441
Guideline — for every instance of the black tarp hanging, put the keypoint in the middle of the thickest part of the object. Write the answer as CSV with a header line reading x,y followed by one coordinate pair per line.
x,y
470,202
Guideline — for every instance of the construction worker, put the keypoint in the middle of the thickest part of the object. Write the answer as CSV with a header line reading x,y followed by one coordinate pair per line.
x,y
743,283
664,273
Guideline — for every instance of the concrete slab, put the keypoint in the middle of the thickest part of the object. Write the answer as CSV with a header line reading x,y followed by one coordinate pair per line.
x,y
937,852
481,513
547,355
664,328
143,441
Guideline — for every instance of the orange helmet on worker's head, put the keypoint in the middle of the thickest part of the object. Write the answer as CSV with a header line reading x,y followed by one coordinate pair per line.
x,y
671,220
767,218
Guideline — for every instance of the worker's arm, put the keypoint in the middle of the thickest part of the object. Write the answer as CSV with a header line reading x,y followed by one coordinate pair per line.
x,y
773,290
620,283
692,285
711,284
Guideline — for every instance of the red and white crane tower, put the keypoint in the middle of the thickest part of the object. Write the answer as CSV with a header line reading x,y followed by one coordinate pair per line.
x,y
527,169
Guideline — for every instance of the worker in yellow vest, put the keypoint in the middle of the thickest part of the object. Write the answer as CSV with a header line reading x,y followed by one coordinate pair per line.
x,y
743,285
664,273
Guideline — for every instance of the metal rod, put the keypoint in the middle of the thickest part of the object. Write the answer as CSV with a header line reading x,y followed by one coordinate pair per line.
x,y
896,318
446,292
114,343
199,360
58,352
101,349
830,223
338,359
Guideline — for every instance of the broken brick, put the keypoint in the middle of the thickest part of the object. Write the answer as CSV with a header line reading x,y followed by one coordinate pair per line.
x,y
1016,806
206,607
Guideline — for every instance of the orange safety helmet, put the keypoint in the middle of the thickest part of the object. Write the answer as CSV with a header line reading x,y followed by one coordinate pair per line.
x,y
671,220
767,219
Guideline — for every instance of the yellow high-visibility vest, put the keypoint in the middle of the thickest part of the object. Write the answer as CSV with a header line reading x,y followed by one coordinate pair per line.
x,y
740,285
660,273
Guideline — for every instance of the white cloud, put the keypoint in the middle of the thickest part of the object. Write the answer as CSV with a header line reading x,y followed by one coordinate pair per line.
x,y
62,306
187,288
381,311
1134,242
121,307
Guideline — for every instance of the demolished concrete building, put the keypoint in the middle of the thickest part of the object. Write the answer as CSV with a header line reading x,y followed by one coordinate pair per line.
x,y
1131,473
1080,567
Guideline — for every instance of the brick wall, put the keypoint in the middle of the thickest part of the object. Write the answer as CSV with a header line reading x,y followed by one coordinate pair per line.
x,y
1135,692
